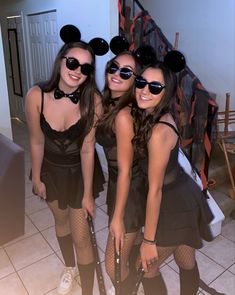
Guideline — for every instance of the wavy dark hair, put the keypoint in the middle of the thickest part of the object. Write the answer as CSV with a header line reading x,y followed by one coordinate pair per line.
x,y
109,115
87,89
145,121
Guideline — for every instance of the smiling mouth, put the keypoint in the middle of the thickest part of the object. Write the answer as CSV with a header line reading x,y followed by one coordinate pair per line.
x,y
144,98
115,80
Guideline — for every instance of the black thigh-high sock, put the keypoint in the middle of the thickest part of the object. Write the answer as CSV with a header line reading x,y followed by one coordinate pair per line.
x,y
189,281
87,272
66,247
155,285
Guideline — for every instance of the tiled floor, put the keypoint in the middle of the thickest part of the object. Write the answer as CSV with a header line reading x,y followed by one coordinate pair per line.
x,y
32,263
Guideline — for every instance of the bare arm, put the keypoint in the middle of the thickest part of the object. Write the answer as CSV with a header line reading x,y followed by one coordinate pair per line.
x,y
87,162
124,135
36,138
160,145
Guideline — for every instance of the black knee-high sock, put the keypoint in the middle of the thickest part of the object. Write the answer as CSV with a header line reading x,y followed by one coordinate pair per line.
x,y
155,285
66,247
87,272
127,286
189,281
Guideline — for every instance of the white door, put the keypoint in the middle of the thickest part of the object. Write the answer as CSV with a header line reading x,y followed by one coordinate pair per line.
x,y
17,88
43,41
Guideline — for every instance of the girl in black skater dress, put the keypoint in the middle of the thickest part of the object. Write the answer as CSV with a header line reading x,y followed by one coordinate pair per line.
x,y
177,214
125,193
61,115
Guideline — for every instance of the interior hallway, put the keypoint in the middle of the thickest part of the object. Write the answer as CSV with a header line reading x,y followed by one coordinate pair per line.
x,y
32,264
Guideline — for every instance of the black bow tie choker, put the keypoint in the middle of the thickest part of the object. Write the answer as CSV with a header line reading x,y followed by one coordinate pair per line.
x,y
74,96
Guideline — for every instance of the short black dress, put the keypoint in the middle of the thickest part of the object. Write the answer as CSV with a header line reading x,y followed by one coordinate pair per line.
x,y
61,167
134,216
184,213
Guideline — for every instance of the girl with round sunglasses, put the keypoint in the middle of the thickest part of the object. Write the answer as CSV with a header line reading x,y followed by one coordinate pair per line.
x,y
177,214
125,192
61,115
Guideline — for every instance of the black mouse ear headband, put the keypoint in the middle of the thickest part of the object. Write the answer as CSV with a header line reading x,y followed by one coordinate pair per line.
x,y
174,59
70,34
146,54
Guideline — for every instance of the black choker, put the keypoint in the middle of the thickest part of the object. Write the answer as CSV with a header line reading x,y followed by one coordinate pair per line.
x,y
112,101
74,96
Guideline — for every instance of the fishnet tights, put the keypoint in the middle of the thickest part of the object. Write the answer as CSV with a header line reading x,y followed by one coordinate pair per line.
x,y
184,257
73,221
125,252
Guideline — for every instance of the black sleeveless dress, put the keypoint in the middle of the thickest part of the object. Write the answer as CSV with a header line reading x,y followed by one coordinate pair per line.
x,y
134,216
61,167
184,213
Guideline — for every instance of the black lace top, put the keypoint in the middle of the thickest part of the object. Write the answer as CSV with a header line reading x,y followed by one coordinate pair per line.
x,y
61,147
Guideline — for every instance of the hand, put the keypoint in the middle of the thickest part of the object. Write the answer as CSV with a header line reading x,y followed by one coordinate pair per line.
x,y
88,206
117,230
39,189
148,254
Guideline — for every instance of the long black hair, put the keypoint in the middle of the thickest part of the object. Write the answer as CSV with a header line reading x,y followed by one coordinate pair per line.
x,y
144,121
109,115
87,89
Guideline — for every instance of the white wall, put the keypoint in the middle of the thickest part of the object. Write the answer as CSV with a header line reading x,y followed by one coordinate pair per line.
x,y
94,18
5,123
207,38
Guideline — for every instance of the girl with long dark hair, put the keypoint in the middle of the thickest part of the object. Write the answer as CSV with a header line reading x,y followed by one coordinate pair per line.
x,y
177,214
61,115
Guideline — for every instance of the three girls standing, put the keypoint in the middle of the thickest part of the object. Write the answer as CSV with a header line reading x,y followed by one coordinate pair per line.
x,y
62,114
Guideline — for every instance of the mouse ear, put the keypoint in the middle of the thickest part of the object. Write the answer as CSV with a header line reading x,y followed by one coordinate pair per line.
x,y
119,44
146,55
175,60
70,33
99,46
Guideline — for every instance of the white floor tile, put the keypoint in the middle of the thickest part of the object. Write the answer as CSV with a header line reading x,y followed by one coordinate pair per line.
x,y
34,204
6,266
228,231
101,220
224,284
221,250
42,276
12,285
232,269
42,219
28,251
171,279
50,235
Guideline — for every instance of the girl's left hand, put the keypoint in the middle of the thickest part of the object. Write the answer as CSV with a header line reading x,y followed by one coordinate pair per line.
x,y
88,206
148,254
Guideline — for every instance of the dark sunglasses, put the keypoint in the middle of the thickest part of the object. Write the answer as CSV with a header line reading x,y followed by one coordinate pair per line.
x,y
155,87
72,64
125,73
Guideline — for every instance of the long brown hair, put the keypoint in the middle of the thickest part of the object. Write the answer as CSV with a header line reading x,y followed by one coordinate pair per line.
x,y
87,89
109,115
145,121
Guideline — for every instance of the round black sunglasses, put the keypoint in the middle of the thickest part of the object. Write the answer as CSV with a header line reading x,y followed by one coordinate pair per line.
x,y
72,64
155,87
124,73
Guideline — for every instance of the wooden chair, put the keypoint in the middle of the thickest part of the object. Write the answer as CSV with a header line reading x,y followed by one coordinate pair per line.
x,y
226,139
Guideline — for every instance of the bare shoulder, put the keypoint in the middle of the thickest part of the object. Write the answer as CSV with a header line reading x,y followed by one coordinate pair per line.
x,y
163,133
124,116
34,95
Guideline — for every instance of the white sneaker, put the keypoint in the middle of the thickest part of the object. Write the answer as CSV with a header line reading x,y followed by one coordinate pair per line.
x,y
66,280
